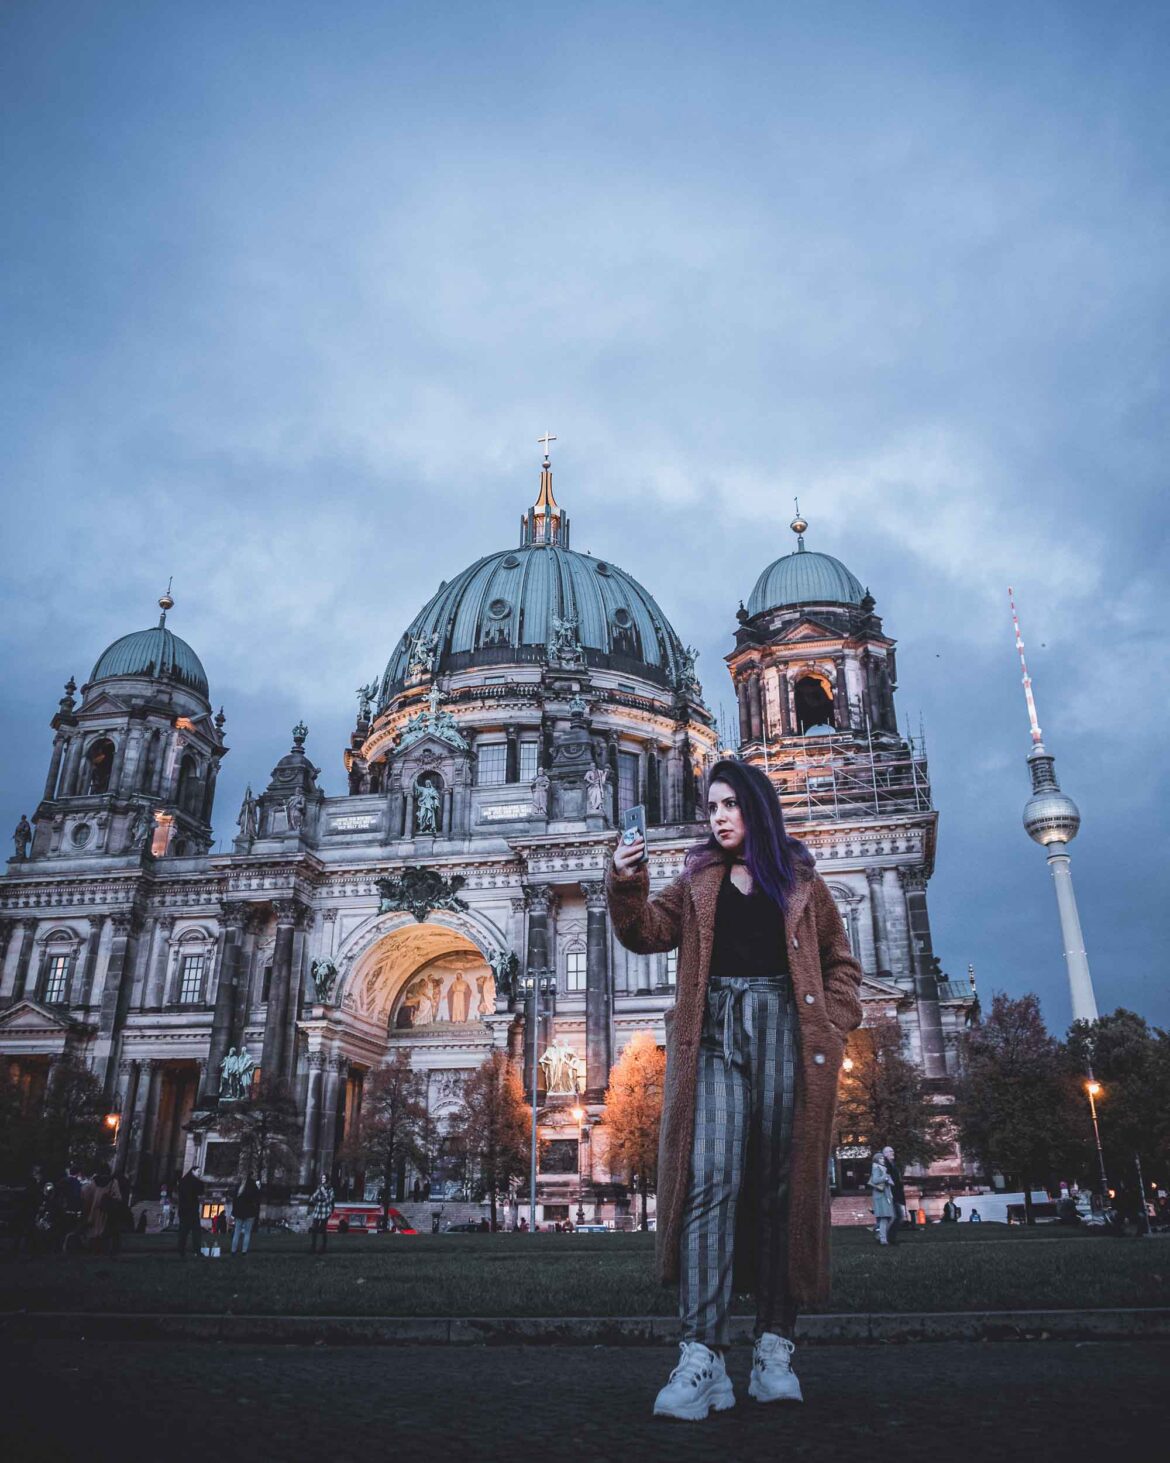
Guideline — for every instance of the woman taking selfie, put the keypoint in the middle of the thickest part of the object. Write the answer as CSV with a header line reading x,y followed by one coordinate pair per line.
x,y
766,993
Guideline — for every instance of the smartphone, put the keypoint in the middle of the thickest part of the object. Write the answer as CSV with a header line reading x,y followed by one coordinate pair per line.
x,y
634,826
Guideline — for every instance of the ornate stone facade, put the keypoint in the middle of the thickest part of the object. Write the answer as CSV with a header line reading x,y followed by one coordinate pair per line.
x,y
536,694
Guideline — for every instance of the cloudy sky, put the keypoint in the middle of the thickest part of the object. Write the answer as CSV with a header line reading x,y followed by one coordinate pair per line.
x,y
291,289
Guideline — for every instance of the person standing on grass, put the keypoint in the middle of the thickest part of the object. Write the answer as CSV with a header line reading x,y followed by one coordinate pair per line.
x,y
320,1208
881,1191
245,1212
767,990
897,1195
190,1192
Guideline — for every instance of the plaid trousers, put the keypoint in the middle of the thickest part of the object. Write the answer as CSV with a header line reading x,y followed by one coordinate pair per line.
x,y
744,1102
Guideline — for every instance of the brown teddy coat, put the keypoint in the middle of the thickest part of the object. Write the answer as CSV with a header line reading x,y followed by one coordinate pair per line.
x,y
825,979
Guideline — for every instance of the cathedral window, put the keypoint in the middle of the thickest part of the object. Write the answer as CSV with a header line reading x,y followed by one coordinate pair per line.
x,y
576,975
191,968
529,760
188,793
672,967
266,984
814,703
493,763
56,979
100,758
627,779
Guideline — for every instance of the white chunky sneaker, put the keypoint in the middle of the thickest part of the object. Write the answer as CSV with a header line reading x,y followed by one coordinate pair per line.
x,y
773,1379
698,1384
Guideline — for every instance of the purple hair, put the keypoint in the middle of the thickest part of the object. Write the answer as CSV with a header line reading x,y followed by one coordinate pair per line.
x,y
775,861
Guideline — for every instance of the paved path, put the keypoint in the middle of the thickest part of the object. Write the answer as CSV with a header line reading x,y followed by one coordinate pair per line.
x,y
150,1401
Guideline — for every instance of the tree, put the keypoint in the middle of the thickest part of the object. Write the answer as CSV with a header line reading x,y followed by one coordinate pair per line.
x,y
61,1125
1015,1104
883,1098
493,1126
1131,1061
267,1127
393,1123
633,1112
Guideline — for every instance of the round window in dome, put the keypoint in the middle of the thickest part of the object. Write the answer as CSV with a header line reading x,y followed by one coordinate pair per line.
x,y
499,609
510,561
603,568
81,834
622,619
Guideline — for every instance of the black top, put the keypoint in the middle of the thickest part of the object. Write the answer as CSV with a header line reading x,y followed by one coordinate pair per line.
x,y
749,935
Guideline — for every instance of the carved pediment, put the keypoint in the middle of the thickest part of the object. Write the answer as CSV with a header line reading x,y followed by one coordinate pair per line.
x,y
103,704
873,989
808,630
30,1016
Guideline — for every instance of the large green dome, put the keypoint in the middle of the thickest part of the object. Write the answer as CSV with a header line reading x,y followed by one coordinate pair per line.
x,y
500,610
155,653
804,578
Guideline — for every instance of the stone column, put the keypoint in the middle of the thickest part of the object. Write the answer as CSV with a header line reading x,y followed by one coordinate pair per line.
x,y
877,911
155,983
272,1055
227,976
934,1059
127,1086
784,697
745,716
539,899
149,1086
312,1138
334,1085
755,710
512,754
598,1055
209,790
28,930
72,758
255,920
840,696
54,766
89,960
288,1060
115,1001
119,762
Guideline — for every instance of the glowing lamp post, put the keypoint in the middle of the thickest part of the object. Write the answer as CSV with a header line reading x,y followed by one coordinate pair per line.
x,y
536,983
579,1114
1093,1088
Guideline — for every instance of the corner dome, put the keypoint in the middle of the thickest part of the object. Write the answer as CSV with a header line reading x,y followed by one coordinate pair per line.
x,y
156,654
804,578
499,611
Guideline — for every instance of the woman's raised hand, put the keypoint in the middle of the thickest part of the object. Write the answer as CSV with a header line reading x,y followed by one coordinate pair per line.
x,y
627,856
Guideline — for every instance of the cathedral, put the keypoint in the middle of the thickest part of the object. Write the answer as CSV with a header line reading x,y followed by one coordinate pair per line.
x,y
537,694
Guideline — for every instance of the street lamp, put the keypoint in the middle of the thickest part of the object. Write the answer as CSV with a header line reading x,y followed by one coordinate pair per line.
x,y
1093,1088
540,981
579,1114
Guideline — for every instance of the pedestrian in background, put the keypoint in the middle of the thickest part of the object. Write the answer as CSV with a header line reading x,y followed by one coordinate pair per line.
x,y
320,1208
881,1196
166,1208
245,1212
767,990
897,1195
190,1192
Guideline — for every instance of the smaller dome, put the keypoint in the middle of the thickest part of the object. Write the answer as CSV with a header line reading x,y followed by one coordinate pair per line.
x,y
156,654
804,577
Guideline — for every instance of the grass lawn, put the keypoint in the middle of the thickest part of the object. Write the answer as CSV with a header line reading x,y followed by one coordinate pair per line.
x,y
991,1267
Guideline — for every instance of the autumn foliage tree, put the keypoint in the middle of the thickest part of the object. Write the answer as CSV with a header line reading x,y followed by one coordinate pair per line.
x,y
493,1127
883,1098
1016,1105
392,1127
633,1111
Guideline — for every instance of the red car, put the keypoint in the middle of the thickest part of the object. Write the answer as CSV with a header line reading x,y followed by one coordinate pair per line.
x,y
366,1219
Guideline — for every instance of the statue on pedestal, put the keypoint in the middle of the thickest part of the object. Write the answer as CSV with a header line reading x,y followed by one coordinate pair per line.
x,y
540,786
22,837
426,807
324,976
596,781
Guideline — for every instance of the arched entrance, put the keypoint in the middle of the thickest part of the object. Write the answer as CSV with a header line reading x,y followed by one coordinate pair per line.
x,y
421,988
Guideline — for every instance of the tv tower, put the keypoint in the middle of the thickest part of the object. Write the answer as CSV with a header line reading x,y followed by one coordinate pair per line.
x,y
1052,818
